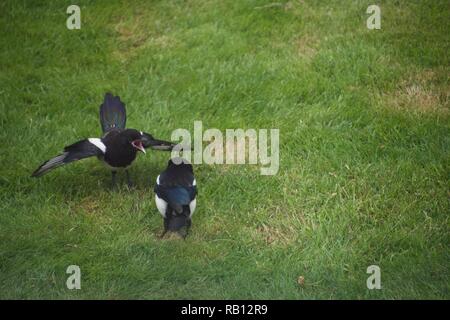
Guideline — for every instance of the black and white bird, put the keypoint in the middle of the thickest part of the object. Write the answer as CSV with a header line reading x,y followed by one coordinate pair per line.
x,y
175,196
117,148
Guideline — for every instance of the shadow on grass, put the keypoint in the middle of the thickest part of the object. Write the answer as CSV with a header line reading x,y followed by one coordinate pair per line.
x,y
94,180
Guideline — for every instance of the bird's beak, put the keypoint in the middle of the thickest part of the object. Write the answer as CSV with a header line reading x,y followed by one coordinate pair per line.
x,y
157,144
183,232
138,145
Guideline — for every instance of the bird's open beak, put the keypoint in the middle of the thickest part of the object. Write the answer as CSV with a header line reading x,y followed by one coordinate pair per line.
x,y
157,144
162,145
138,145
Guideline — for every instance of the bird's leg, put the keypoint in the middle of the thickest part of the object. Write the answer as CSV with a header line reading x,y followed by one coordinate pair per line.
x,y
113,175
166,227
130,183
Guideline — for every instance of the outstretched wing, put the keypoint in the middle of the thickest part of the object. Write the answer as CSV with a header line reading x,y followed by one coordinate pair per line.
x,y
77,151
112,113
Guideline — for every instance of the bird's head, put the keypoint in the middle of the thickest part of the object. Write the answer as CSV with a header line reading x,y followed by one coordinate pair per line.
x,y
179,165
136,139
178,224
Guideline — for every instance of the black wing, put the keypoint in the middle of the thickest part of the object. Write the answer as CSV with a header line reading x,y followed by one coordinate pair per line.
x,y
77,151
176,185
176,197
112,113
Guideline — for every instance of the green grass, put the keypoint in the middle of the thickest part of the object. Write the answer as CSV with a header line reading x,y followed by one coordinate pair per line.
x,y
365,148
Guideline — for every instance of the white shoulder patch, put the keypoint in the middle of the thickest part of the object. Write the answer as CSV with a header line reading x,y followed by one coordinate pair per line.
x,y
157,180
192,206
98,143
194,183
161,205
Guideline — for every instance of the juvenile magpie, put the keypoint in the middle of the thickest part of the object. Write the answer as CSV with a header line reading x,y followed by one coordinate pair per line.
x,y
117,148
175,196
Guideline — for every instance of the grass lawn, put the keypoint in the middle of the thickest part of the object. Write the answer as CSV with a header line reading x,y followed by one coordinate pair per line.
x,y
364,148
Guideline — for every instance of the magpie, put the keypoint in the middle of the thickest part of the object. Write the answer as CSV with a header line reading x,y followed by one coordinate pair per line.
x,y
175,196
117,147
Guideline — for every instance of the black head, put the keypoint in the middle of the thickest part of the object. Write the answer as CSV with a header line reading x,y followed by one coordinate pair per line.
x,y
135,138
178,223
180,164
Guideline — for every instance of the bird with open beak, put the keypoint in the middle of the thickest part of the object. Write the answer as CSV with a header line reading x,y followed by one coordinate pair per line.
x,y
117,148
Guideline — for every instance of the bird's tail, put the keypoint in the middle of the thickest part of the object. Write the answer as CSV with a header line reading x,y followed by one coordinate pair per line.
x,y
112,113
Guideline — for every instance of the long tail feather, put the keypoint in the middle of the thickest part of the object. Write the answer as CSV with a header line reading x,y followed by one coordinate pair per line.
x,y
112,113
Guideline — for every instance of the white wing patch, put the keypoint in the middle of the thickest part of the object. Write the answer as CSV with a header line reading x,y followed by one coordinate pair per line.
x,y
157,181
192,206
98,143
194,183
161,205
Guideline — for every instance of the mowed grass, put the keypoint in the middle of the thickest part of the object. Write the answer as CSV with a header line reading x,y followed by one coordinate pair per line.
x,y
364,151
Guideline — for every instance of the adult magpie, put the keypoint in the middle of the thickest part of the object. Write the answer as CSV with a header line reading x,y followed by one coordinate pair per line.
x,y
117,147
175,196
